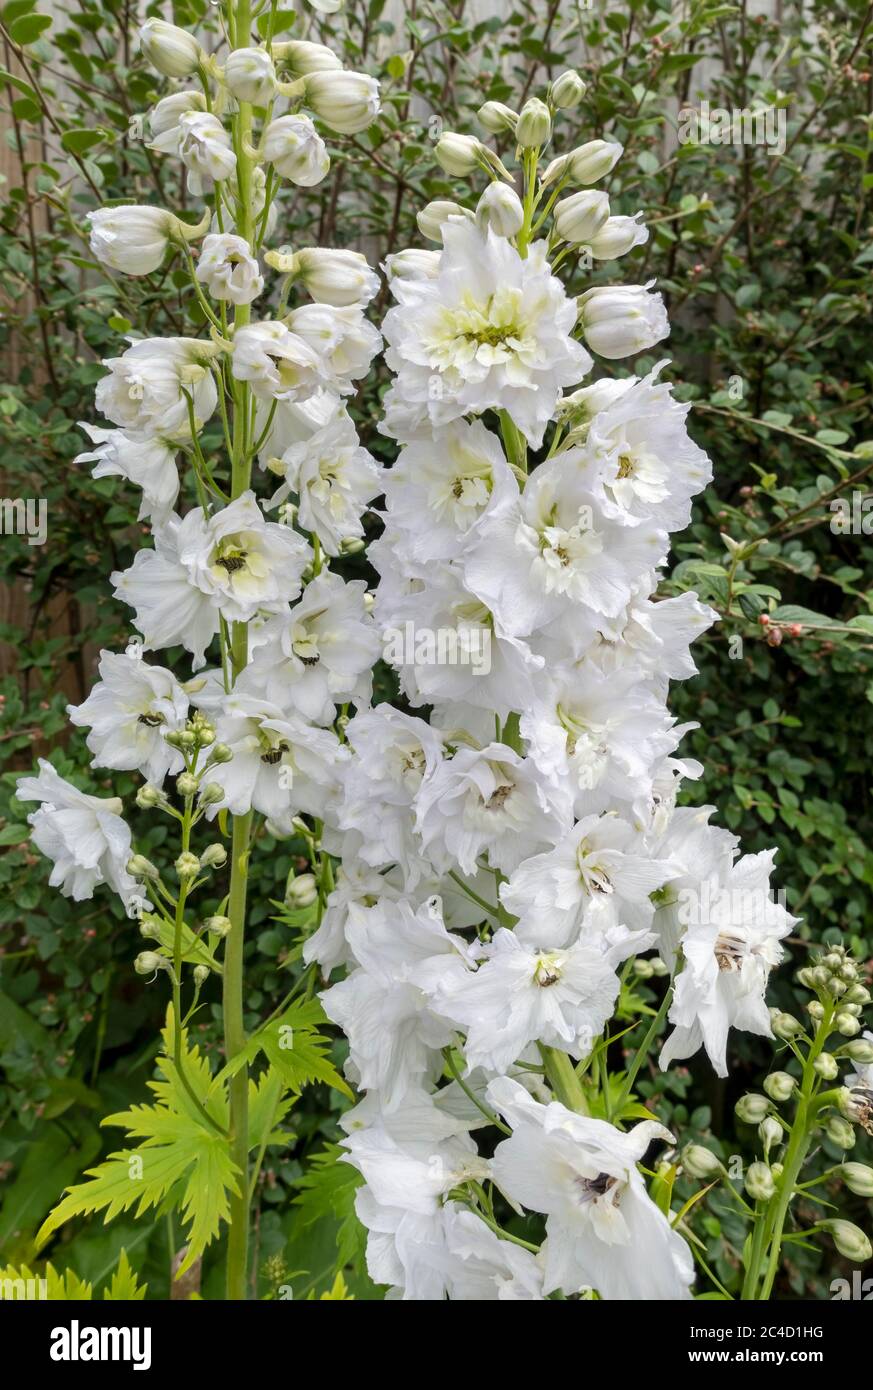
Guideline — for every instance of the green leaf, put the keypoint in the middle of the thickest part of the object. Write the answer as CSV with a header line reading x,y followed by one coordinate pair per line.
x,y
28,27
327,1189
180,1155
293,1045
58,1287
123,1285
78,141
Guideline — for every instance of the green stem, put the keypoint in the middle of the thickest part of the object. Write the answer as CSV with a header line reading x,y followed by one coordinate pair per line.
x,y
563,1080
643,1051
240,18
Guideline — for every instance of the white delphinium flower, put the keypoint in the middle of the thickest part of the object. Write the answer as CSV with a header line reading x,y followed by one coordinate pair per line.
x,y
281,764
487,1267
393,754
320,654
487,801
84,836
355,883
599,737
442,489
638,459
597,877
228,269
148,463
385,1006
128,712
130,238
147,389
250,76
275,361
619,320
232,563
334,479
655,637
491,331
347,102
558,996
559,557
296,150
241,561
696,852
730,944
341,278
602,1228
282,423
447,646
343,340
203,145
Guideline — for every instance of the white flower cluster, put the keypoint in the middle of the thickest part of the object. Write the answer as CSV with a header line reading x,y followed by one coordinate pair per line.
x,y
537,804
224,565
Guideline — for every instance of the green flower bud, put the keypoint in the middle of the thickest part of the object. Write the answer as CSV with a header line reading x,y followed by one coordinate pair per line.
x,y
201,975
218,926
847,1024
147,962
213,857
840,1132
751,1108
458,155
858,994
659,969
854,1009
826,1066
849,1239
211,793
779,1085
770,1132
206,736
187,865
858,1178
785,1026
860,1050
700,1162
534,124
833,960
836,987
302,891
140,867
567,90
148,797
186,784
806,976
150,930
497,118
221,753
815,1010
759,1182
643,969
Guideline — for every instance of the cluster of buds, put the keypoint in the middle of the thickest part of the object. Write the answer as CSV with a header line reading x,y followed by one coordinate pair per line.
x,y
841,999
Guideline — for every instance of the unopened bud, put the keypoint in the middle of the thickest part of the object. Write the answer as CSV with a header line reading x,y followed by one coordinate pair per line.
x,y
770,1132
148,797
218,926
201,975
458,155
849,1239
815,1010
700,1162
858,994
186,784
302,891
433,217
752,1108
840,1132
825,1065
147,962
221,753
567,90
784,1025
214,856
534,124
779,1085
140,867
497,118
860,1050
500,209
847,1024
759,1182
211,794
171,50
858,1178
187,865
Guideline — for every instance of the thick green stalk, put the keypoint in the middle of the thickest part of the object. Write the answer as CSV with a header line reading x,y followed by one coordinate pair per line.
x,y
234,1023
563,1079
